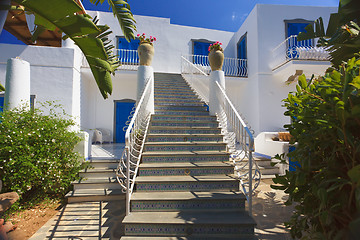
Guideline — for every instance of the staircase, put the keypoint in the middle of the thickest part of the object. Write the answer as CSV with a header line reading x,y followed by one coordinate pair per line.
x,y
185,188
97,183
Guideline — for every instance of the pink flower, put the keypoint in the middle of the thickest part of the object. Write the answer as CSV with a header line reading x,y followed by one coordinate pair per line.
x,y
154,38
138,35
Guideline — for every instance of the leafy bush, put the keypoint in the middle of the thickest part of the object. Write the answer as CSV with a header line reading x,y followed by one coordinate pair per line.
x,y
325,114
36,151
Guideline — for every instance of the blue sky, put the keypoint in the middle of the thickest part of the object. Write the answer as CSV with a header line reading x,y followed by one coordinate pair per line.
x,y
227,15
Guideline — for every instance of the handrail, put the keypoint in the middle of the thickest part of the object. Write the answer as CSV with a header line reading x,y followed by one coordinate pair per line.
x,y
242,145
239,137
232,67
135,134
291,49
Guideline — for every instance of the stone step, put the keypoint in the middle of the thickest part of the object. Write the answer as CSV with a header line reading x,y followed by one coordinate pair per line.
x,y
192,97
98,172
183,146
189,238
182,113
174,93
187,201
194,224
166,86
167,117
180,108
180,123
185,169
177,99
178,103
187,183
173,90
94,195
184,138
194,157
184,130
96,183
102,163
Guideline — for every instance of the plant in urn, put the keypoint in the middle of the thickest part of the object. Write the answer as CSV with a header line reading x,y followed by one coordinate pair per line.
x,y
146,49
216,56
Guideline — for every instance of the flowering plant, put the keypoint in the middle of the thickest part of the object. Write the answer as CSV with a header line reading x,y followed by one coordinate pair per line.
x,y
143,39
216,46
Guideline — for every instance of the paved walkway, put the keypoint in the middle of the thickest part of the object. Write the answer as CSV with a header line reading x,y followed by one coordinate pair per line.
x,y
102,220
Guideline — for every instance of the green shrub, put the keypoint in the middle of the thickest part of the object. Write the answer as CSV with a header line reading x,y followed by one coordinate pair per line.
x,y
36,151
325,115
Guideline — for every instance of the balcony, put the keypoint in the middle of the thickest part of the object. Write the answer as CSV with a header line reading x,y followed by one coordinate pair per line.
x,y
232,67
292,55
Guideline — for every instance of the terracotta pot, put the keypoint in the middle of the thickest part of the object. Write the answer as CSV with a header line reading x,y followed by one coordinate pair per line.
x,y
284,136
146,53
216,60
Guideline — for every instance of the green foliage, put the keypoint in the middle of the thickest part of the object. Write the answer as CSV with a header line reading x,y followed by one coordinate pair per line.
x,y
325,114
36,152
342,36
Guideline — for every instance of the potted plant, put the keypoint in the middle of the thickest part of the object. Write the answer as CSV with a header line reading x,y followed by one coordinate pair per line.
x,y
146,49
216,56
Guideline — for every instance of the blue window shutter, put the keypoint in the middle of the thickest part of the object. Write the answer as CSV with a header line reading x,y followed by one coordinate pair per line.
x,y
1,103
201,49
242,49
296,28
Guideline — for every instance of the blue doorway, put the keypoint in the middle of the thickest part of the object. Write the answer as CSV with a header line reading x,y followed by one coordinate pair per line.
x,y
123,114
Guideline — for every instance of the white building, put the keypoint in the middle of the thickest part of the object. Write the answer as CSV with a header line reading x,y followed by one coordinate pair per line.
x,y
256,87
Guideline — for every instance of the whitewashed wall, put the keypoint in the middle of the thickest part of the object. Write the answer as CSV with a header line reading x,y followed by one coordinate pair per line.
x,y
54,73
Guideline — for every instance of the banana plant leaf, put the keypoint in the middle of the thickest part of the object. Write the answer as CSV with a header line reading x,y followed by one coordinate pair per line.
x,y
90,37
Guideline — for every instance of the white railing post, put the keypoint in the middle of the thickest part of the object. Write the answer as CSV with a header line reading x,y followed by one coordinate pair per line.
x,y
127,149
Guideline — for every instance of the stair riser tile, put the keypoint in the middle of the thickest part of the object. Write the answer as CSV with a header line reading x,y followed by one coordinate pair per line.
x,y
182,118
174,94
192,104
184,124
185,131
185,148
165,87
199,171
114,185
180,108
179,159
188,186
179,113
172,91
176,205
95,198
185,139
192,230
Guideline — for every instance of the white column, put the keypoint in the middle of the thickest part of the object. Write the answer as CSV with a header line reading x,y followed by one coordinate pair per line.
x,y
144,74
215,76
17,85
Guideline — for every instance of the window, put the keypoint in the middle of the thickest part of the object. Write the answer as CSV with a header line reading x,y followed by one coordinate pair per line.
x,y
242,56
127,50
293,28
201,51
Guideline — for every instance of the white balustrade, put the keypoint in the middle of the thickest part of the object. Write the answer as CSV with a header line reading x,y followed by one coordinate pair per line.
x,y
232,67
291,49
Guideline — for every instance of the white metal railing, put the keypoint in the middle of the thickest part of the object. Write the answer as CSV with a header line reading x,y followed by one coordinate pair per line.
x,y
291,49
238,136
135,134
128,59
232,67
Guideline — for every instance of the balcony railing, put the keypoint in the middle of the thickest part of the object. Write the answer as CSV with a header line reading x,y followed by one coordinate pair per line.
x,y
129,59
232,67
299,50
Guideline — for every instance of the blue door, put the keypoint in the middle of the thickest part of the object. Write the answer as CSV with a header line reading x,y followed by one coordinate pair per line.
x,y
242,54
122,118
